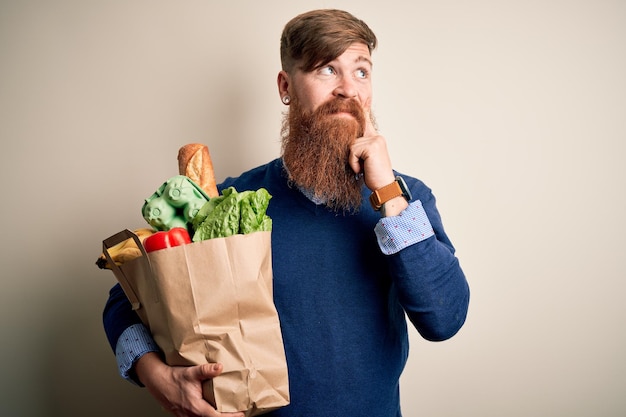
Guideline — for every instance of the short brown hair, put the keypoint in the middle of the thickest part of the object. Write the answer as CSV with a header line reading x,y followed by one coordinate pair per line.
x,y
317,37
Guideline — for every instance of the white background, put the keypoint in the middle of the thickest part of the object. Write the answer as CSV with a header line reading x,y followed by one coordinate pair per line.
x,y
514,112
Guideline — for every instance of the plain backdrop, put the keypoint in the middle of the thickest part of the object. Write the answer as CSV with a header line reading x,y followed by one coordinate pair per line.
x,y
513,111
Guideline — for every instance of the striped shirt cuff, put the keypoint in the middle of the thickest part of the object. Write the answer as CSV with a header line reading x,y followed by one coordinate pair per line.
x,y
133,343
395,233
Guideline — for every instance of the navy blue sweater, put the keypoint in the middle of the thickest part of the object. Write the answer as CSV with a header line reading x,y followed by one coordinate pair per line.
x,y
341,302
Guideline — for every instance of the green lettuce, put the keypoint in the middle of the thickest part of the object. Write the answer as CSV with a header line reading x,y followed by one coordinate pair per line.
x,y
233,213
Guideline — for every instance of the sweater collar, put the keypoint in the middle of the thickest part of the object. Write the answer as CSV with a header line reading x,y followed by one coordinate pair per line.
x,y
309,194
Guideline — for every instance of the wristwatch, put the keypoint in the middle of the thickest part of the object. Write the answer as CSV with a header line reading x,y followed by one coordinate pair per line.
x,y
386,193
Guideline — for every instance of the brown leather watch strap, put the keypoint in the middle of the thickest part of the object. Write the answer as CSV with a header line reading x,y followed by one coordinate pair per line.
x,y
384,194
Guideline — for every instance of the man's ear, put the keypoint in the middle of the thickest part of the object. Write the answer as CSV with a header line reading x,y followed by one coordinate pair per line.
x,y
283,82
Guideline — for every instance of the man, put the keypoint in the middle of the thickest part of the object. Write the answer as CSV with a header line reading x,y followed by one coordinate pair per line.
x,y
346,269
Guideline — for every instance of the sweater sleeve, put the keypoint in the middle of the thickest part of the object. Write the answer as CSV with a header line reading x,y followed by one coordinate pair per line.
x,y
118,315
127,335
431,285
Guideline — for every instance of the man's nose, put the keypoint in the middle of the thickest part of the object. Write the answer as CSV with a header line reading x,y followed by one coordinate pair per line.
x,y
346,88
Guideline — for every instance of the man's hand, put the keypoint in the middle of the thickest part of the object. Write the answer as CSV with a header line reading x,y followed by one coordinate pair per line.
x,y
369,156
179,389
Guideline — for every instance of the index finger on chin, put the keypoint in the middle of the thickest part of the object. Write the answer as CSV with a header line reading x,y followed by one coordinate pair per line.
x,y
370,130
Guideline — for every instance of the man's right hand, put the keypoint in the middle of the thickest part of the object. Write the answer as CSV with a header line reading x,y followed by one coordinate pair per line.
x,y
179,388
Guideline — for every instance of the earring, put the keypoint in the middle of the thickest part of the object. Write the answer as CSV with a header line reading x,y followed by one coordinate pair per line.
x,y
286,100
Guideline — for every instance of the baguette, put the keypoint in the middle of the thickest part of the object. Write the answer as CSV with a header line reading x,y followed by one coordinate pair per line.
x,y
194,161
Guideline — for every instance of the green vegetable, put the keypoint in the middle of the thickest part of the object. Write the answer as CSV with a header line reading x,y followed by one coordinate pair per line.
x,y
233,213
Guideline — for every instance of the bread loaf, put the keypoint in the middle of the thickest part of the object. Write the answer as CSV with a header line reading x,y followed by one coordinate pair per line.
x,y
194,161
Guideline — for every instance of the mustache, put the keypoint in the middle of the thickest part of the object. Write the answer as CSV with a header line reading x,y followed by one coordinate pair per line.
x,y
339,105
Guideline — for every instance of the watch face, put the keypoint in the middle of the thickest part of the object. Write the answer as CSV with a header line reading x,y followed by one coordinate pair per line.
x,y
405,190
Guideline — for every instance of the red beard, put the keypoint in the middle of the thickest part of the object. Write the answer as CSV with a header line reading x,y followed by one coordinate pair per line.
x,y
316,147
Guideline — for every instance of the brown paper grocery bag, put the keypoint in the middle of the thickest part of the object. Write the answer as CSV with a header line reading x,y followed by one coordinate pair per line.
x,y
212,301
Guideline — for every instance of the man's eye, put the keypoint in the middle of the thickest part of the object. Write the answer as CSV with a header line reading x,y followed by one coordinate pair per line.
x,y
361,73
327,70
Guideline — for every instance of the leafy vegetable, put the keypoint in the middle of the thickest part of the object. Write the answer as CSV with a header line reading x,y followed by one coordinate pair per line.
x,y
233,213
253,208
